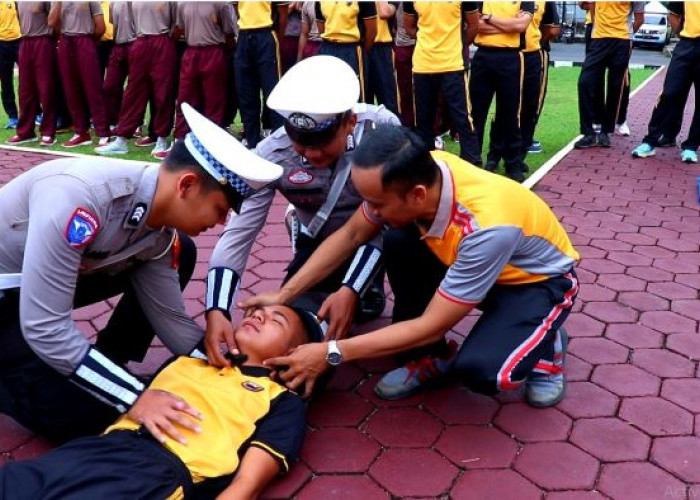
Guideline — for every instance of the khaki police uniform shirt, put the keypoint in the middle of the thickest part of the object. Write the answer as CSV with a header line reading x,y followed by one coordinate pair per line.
x,y
154,18
33,18
124,28
70,217
205,23
302,185
76,17
611,19
439,47
690,12
9,24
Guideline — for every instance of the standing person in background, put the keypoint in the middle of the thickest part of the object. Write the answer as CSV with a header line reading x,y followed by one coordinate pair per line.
x,y
118,67
442,29
106,43
152,75
683,71
208,28
403,57
543,27
497,69
258,62
37,75
348,30
81,25
382,73
289,43
610,48
9,52
310,38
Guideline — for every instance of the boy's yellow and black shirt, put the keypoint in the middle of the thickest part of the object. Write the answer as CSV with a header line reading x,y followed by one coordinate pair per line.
x,y
545,15
344,21
612,19
439,43
690,13
505,10
241,407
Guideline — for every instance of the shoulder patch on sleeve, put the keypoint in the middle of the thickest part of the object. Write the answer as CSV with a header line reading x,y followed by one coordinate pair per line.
x,y
82,228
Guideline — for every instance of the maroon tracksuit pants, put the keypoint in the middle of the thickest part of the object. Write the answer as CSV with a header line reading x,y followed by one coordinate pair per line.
x,y
37,85
117,71
403,56
152,70
202,85
82,83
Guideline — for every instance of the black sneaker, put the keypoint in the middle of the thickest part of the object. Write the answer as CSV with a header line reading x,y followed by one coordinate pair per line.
x,y
516,174
491,165
603,140
587,141
665,142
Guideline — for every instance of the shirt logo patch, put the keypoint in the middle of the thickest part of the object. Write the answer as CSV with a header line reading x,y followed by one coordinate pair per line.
x,y
300,177
82,228
251,386
137,214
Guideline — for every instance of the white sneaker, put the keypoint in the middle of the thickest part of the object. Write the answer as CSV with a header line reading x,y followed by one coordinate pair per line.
x,y
597,128
161,146
266,132
117,147
103,141
622,129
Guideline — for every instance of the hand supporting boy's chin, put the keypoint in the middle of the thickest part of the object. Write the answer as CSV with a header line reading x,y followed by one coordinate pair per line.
x,y
302,365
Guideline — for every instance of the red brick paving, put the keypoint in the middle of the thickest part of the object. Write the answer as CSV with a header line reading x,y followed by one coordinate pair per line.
x,y
630,424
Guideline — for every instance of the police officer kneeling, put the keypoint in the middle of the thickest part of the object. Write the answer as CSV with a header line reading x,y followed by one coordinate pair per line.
x,y
463,238
82,230
324,124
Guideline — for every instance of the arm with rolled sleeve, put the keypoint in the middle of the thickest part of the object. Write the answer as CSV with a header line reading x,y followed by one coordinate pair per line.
x,y
49,277
228,260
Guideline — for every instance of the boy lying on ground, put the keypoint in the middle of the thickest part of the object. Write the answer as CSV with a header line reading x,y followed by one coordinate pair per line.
x,y
246,429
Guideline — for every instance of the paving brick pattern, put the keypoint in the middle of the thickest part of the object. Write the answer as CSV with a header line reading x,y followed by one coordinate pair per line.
x,y
630,425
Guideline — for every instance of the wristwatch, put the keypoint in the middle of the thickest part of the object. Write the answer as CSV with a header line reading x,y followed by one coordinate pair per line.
x,y
334,356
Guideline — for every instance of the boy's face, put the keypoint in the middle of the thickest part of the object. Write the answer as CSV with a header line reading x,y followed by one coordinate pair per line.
x,y
269,331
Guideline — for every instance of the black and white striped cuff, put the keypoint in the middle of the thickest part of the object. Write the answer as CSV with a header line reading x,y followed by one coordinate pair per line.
x,y
363,268
222,284
107,381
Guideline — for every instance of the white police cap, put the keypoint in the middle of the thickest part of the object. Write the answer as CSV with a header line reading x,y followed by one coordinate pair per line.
x,y
312,94
226,159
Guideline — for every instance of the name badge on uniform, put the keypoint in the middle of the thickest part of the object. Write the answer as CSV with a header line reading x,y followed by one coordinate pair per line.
x,y
82,228
300,177
251,386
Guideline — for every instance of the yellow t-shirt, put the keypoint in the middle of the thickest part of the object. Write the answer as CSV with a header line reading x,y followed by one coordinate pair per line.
x,y
690,12
109,27
383,31
344,21
506,10
255,15
439,44
612,19
9,22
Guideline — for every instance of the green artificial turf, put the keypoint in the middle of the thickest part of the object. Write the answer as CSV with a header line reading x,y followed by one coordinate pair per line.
x,y
558,123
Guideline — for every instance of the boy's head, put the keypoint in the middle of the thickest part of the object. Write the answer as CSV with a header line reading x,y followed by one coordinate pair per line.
x,y
271,331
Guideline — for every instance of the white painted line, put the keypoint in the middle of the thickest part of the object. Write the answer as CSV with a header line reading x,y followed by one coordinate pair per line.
x,y
54,152
539,174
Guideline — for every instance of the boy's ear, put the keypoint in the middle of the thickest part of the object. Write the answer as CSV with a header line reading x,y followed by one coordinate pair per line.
x,y
186,182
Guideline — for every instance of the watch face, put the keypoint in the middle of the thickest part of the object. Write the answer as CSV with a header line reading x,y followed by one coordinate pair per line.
x,y
334,358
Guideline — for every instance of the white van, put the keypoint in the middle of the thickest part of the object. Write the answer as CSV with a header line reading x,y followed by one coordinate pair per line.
x,y
655,31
